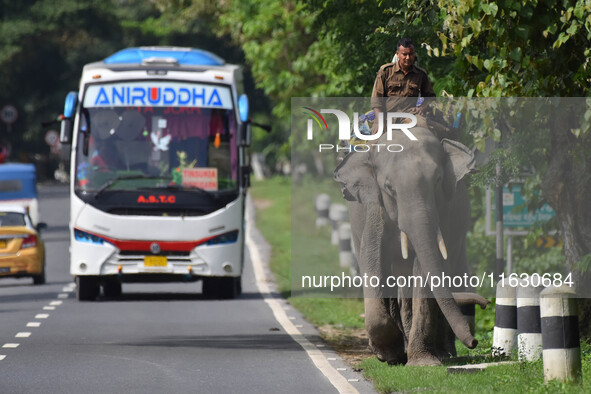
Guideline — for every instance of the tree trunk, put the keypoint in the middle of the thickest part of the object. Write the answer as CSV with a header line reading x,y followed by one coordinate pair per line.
x,y
566,186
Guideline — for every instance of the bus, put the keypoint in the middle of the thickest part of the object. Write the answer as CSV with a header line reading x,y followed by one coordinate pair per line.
x,y
18,186
159,171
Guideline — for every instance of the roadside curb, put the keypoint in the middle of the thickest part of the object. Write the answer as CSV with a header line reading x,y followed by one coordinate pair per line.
x,y
340,374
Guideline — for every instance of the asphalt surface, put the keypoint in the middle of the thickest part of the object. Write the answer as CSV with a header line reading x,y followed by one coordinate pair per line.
x,y
155,338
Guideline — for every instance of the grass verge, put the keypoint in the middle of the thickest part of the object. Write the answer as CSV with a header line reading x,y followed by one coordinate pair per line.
x,y
340,320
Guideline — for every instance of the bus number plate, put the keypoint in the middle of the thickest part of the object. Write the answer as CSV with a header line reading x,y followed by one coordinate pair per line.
x,y
155,261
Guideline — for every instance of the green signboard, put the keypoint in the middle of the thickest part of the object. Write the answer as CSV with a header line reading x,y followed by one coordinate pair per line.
x,y
515,213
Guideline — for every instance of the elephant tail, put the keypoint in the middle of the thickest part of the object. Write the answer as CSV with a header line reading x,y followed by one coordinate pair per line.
x,y
467,298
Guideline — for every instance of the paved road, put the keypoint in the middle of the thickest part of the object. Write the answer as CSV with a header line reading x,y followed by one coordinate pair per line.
x,y
163,338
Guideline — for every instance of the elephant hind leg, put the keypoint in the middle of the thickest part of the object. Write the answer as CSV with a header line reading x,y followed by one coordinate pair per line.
x,y
386,340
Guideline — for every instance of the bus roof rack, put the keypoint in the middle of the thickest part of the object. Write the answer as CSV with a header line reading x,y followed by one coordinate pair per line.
x,y
165,55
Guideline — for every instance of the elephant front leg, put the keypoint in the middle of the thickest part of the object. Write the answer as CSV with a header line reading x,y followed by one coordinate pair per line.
x,y
386,340
422,343
385,337
425,330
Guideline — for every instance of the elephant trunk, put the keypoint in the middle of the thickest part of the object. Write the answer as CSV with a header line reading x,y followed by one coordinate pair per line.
x,y
422,232
467,298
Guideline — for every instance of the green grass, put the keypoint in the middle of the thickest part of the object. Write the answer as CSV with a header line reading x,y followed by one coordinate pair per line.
x,y
273,219
514,378
274,196
280,205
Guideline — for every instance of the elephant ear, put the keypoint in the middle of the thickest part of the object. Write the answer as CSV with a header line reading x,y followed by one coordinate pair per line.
x,y
357,179
460,162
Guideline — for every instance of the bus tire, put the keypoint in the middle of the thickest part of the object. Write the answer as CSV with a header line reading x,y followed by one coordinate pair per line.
x,y
222,288
87,288
112,288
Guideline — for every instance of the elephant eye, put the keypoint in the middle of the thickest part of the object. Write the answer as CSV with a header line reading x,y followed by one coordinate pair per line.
x,y
388,187
439,178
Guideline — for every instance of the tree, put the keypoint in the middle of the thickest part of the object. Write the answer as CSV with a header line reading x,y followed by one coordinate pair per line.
x,y
45,43
43,46
528,49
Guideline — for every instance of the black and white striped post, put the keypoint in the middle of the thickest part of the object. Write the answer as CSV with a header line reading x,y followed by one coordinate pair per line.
x,y
337,213
529,330
346,256
322,203
560,334
505,331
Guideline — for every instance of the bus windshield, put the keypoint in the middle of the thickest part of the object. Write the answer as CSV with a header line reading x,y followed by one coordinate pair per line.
x,y
133,147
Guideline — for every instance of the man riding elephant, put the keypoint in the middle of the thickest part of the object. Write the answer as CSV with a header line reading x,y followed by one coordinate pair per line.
x,y
402,86
409,213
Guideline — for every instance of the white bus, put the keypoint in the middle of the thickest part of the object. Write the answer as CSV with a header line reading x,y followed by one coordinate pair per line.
x,y
159,171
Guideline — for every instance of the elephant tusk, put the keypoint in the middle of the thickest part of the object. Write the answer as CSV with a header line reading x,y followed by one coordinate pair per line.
x,y
404,245
441,244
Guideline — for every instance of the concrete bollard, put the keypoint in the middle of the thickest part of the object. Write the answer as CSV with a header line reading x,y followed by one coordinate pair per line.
x,y
560,334
337,213
346,256
529,330
321,204
505,331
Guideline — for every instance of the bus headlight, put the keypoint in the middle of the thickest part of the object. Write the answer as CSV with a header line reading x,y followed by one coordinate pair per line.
x,y
226,238
82,236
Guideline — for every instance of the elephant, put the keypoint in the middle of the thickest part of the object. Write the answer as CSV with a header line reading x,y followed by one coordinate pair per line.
x,y
409,212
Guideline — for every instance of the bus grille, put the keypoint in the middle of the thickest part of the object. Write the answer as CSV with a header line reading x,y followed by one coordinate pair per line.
x,y
162,253
157,212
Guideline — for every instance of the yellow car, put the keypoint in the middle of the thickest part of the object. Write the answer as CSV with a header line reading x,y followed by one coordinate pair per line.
x,y
22,252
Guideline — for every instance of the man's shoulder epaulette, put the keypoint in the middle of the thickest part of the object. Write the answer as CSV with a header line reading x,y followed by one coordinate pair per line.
x,y
387,65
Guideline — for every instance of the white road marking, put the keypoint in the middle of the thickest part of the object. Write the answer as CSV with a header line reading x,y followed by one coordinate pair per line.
x,y
42,316
49,308
331,359
299,325
33,324
2,357
68,289
316,355
63,295
10,345
23,335
341,369
352,380
56,303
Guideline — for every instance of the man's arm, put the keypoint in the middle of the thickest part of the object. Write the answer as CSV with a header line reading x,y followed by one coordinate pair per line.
x,y
377,96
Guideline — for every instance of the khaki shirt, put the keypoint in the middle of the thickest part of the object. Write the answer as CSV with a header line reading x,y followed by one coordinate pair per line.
x,y
391,82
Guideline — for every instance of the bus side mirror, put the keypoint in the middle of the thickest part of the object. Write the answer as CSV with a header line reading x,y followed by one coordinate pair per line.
x,y
244,111
67,126
245,176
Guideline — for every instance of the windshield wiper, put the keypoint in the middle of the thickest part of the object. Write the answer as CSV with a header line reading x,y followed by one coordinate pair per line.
x,y
111,181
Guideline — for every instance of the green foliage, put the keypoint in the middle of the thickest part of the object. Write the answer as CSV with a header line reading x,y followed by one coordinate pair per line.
x,y
514,48
529,49
43,46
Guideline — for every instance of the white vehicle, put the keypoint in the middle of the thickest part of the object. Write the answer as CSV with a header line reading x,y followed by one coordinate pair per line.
x,y
159,171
